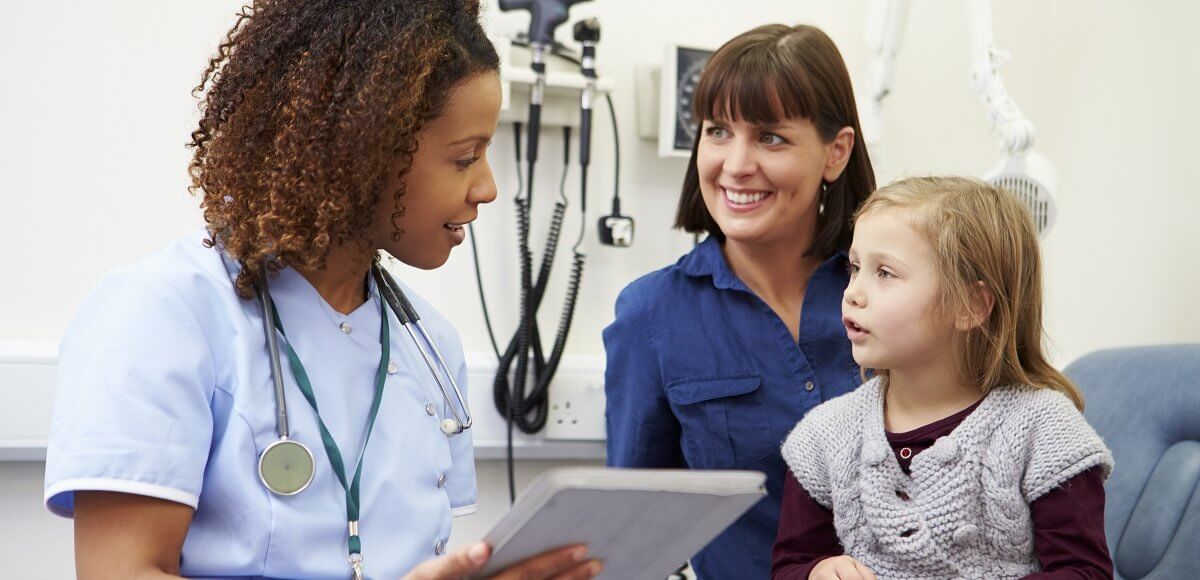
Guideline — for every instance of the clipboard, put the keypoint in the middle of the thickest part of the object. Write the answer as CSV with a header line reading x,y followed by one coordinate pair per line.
x,y
642,523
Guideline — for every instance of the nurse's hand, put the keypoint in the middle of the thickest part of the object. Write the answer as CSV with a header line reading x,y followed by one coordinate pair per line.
x,y
562,564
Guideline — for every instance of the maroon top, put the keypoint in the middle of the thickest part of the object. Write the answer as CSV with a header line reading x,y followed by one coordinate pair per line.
x,y
1068,522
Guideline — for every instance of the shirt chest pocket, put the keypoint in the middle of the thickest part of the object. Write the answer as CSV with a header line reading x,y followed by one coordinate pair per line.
x,y
723,422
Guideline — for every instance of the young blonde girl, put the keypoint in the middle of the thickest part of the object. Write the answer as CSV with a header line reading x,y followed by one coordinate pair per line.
x,y
966,456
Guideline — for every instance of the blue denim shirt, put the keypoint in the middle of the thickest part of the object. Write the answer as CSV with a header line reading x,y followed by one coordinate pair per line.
x,y
702,374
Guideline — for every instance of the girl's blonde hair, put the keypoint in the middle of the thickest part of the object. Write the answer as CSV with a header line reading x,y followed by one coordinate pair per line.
x,y
981,233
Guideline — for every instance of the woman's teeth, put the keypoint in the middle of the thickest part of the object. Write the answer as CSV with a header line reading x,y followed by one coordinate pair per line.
x,y
744,198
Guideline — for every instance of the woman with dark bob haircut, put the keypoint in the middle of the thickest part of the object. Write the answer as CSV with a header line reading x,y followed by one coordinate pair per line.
x,y
712,360
332,131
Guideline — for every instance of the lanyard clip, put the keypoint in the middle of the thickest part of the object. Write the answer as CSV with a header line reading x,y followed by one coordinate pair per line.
x,y
355,558
356,569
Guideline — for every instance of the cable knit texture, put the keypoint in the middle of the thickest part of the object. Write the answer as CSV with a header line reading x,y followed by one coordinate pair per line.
x,y
967,509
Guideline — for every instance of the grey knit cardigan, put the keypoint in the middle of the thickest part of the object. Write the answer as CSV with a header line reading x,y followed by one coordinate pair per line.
x,y
964,511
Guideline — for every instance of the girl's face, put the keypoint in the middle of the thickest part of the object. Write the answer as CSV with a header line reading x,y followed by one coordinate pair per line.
x,y
762,183
891,307
448,180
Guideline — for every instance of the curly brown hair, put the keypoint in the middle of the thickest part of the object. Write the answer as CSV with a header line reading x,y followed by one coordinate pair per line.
x,y
309,105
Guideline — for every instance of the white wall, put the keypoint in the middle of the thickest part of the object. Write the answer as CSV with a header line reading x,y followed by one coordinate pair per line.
x,y
95,108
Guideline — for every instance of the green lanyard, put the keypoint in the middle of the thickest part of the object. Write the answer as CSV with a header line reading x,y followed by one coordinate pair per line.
x,y
354,544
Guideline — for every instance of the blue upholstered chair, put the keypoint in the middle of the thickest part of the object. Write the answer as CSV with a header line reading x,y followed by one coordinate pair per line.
x,y
1145,403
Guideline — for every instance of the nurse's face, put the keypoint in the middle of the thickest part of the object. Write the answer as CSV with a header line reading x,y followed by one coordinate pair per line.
x,y
762,183
448,179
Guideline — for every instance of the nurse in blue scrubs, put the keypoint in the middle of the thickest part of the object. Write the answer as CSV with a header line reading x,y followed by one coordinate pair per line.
x,y
330,131
713,360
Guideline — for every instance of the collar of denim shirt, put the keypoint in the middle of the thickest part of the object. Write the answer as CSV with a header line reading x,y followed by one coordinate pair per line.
x,y
708,260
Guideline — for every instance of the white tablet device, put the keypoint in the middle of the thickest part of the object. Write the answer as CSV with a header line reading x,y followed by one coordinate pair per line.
x,y
642,523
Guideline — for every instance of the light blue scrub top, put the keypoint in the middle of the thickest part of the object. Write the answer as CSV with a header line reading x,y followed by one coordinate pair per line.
x,y
164,390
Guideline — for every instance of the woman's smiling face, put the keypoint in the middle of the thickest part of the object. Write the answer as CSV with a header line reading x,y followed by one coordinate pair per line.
x,y
762,182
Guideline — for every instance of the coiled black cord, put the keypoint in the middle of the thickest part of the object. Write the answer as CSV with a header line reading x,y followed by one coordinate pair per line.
x,y
528,410
510,397
568,311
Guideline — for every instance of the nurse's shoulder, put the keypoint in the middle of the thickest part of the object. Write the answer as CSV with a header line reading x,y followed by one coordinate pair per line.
x,y
198,274
136,376
185,271
178,299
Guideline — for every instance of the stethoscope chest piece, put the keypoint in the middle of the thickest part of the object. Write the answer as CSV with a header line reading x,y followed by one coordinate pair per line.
x,y
286,467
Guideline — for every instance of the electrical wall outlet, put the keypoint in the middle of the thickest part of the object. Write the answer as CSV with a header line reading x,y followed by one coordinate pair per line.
x,y
576,406
579,380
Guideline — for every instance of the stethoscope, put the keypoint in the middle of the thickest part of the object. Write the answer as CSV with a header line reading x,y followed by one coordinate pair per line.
x,y
287,466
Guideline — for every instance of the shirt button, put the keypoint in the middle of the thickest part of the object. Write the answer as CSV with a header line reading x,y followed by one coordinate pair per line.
x,y
345,326
440,548
392,367
808,386
441,481
905,452
429,409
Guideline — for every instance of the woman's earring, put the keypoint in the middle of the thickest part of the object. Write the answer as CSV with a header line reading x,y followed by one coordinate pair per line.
x,y
824,190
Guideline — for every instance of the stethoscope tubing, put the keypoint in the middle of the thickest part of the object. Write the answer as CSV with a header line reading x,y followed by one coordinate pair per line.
x,y
391,293
281,418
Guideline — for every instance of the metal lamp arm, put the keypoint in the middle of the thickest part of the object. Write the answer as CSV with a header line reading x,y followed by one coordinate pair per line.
x,y
1016,132
885,32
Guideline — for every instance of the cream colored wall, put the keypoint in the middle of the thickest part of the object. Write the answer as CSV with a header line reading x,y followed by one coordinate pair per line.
x,y
95,108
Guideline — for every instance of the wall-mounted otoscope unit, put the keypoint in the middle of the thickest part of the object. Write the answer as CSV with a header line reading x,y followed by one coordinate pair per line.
x,y
615,229
525,370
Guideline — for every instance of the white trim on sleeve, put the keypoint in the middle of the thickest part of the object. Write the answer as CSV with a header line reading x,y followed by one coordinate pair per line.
x,y
466,510
119,485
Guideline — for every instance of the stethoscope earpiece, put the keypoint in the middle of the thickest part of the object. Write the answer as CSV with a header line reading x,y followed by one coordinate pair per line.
x,y
451,427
